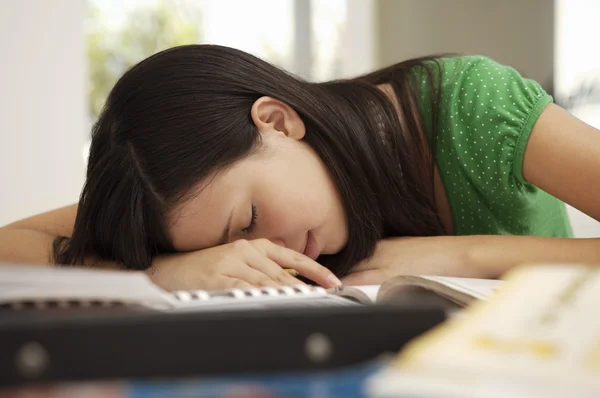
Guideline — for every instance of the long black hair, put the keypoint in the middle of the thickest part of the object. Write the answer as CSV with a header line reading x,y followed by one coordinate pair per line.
x,y
184,113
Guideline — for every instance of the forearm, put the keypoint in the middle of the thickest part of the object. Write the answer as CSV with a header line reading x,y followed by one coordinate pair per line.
x,y
29,246
25,246
493,255
471,256
29,241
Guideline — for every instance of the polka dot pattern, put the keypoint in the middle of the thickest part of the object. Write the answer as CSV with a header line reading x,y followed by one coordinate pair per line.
x,y
486,115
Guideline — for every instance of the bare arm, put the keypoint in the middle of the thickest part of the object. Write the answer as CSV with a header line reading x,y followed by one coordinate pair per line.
x,y
29,241
563,159
238,264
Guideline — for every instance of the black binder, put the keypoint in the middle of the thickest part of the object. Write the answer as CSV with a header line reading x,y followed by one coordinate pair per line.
x,y
56,346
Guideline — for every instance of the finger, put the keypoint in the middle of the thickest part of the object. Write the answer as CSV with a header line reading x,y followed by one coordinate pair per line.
x,y
273,270
252,276
257,266
256,259
236,283
307,267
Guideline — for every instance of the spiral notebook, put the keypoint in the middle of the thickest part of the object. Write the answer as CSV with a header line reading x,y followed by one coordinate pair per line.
x,y
29,287
87,325
32,287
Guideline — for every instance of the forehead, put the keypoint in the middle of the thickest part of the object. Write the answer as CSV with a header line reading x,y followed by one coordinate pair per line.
x,y
199,221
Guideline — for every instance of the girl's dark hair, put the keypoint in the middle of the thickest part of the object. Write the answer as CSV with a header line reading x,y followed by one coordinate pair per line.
x,y
184,113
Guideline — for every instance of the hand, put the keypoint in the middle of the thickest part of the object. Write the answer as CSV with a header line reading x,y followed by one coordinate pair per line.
x,y
435,255
240,264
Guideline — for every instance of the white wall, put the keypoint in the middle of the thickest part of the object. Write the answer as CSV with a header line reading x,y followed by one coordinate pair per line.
x,y
42,105
519,33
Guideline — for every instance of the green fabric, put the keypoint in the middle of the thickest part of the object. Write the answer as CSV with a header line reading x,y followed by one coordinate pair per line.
x,y
486,115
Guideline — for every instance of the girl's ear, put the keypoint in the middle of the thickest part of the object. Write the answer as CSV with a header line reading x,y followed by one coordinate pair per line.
x,y
273,116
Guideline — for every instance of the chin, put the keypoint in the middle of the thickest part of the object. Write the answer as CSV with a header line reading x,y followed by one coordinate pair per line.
x,y
336,247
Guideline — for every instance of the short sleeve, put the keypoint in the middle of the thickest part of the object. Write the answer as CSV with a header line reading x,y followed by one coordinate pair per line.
x,y
490,112
485,117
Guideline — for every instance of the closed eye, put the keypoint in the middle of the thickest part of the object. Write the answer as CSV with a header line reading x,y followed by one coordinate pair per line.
x,y
250,227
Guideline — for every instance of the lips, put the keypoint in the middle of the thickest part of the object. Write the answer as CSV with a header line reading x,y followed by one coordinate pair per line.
x,y
311,249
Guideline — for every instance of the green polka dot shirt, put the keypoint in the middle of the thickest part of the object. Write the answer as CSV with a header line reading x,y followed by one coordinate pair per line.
x,y
486,115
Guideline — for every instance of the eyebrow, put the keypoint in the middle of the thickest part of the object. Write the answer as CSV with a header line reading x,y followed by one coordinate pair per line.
x,y
225,237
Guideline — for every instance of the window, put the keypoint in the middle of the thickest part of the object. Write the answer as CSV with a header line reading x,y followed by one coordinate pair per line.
x,y
305,37
302,36
577,65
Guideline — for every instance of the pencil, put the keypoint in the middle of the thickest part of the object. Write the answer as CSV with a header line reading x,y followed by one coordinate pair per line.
x,y
292,272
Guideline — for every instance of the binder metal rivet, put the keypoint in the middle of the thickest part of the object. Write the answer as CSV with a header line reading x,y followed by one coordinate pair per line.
x,y
318,347
32,360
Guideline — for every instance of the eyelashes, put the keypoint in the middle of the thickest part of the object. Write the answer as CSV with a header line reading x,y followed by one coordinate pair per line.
x,y
250,227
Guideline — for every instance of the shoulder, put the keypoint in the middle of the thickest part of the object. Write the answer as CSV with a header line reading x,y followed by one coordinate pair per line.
x,y
481,74
454,65
481,92
474,84
489,109
450,68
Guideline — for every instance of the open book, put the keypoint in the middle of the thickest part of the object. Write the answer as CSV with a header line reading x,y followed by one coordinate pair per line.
x,y
44,287
538,337
460,291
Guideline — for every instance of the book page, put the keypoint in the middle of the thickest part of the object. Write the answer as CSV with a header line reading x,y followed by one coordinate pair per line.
x,y
38,283
480,289
370,290
365,294
538,337
461,291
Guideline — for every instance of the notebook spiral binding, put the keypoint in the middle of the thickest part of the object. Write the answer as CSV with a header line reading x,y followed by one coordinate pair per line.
x,y
189,296
240,294
62,304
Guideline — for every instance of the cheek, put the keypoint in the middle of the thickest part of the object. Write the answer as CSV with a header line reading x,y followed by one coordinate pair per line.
x,y
287,212
280,217
295,193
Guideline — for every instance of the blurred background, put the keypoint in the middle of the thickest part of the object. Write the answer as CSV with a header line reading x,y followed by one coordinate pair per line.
x,y
60,58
